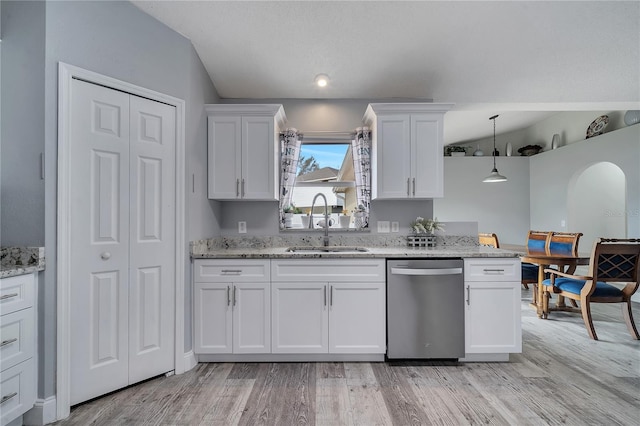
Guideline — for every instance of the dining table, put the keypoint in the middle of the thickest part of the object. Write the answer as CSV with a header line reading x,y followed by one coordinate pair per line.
x,y
564,261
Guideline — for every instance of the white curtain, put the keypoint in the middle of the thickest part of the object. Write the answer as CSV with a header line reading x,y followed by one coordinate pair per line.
x,y
361,150
290,152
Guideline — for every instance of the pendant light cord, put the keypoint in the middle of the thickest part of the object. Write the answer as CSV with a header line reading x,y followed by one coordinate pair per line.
x,y
494,139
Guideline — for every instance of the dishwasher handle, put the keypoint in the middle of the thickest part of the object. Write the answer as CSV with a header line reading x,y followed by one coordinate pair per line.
x,y
426,272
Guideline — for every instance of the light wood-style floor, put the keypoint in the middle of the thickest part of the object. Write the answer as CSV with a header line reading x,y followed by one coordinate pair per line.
x,y
562,377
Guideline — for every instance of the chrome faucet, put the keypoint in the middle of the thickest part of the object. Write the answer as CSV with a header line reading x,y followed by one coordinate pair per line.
x,y
325,240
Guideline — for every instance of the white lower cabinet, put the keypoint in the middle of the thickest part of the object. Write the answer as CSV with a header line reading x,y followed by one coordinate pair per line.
x,y
328,306
299,317
232,307
492,306
17,350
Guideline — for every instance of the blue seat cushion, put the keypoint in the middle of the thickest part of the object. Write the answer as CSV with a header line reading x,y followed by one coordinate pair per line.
x,y
529,272
575,286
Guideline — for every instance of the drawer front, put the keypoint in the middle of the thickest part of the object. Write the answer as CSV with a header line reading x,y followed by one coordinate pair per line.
x,y
230,270
16,337
492,269
16,293
337,270
17,390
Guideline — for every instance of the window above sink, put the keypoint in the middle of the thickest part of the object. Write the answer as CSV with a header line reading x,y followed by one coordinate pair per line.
x,y
324,162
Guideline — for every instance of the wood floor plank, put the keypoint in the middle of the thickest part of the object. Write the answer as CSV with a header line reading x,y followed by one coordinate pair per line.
x,y
333,405
402,404
366,400
284,393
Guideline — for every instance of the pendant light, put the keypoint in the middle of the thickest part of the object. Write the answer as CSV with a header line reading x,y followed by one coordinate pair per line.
x,y
494,176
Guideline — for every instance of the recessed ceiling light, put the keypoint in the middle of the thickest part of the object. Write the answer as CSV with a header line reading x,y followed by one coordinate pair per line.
x,y
322,80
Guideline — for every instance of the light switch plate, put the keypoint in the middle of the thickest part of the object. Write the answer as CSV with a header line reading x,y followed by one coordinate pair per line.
x,y
242,227
383,226
395,227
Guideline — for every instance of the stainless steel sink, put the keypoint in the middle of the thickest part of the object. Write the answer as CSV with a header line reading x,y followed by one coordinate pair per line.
x,y
328,249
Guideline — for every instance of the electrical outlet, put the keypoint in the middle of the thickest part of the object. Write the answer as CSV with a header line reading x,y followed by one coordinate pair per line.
x,y
242,227
395,227
383,226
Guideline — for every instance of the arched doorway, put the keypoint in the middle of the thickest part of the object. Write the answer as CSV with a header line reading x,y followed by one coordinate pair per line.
x,y
597,203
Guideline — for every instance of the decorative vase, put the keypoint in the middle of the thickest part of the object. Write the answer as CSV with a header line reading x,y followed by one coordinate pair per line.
x,y
555,141
345,220
288,220
305,220
508,149
478,152
632,117
358,219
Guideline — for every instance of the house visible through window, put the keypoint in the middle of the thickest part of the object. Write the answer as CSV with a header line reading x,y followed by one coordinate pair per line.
x,y
324,165
325,168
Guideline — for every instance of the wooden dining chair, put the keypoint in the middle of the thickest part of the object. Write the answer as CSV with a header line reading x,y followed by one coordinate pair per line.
x,y
490,240
536,241
565,243
612,261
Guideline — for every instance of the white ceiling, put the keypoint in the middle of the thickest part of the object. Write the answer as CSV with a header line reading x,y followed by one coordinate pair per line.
x,y
488,57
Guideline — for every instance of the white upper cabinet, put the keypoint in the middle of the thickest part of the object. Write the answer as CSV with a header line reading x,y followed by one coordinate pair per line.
x,y
407,149
243,151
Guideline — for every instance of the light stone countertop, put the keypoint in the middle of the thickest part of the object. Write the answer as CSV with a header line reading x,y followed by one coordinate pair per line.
x,y
21,260
268,248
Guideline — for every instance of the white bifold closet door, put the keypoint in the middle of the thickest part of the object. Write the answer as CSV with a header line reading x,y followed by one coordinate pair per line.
x,y
122,186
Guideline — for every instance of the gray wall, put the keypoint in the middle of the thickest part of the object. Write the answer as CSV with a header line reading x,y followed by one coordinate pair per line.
x,y
552,173
502,207
22,124
117,40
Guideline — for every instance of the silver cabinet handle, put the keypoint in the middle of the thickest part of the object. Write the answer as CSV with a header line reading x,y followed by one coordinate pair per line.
x,y
228,296
105,255
8,296
234,295
497,271
7,397
8,342
408,186
325,295
331,296
242,189
414,187
468,295
237,187
231,271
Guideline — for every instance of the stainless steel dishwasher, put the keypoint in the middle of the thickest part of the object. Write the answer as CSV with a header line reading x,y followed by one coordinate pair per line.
x,y
425,309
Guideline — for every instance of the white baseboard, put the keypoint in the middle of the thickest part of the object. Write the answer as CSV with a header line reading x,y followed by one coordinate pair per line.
x,y
42,413
189,361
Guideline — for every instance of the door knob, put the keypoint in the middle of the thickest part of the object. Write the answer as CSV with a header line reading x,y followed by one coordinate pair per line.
x,y
105,255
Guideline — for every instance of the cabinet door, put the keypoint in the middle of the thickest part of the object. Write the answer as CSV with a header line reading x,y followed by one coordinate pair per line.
x,y
224,157
251,318
259,156
357,318
299,317
492,317
212,315
426,156
393,157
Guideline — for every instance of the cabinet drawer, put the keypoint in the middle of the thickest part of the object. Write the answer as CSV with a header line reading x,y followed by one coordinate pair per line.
x,y
16,293
16,335
336,270
230,270
18,390
492,269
